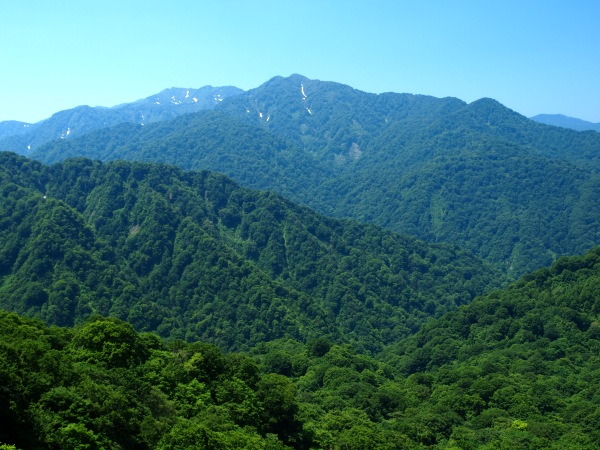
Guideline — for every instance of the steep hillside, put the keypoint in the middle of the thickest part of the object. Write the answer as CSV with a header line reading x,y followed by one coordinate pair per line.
x,y
518,210
195,256
331,121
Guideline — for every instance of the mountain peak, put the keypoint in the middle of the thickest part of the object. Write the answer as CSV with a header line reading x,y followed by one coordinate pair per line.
x,y
297,77
492,109
281,81
486,102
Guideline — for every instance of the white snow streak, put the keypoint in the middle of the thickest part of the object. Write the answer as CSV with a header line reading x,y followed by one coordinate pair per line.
x,y
303,94
187,94
195,100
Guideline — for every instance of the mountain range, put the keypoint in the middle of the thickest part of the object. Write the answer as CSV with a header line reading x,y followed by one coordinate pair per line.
x,y
560,120
132,274
515,192
23,137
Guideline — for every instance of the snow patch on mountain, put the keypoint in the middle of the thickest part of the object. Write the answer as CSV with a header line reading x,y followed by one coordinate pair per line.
x,y
66,133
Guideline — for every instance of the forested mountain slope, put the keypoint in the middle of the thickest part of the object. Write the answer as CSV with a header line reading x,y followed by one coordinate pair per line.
x,y
204,141
24,138
195,256
328,119
515,192
516,369
13,127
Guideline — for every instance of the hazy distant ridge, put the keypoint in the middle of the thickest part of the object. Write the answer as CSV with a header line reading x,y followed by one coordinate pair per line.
x,y
559,120
23,137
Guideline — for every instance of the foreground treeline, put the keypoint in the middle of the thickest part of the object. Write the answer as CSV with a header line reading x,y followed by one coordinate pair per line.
x,y
102,385
515,369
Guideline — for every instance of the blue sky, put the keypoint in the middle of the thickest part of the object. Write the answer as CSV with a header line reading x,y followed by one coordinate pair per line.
x,y
532,56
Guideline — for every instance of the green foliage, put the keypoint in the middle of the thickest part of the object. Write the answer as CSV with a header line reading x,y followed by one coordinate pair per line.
x,y
335,316
108,341
516,368
511,367
193,256
102,386
515,192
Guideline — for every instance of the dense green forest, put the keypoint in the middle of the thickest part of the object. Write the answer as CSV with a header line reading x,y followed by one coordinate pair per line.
x,y
192,255
149,301
515,192
515,369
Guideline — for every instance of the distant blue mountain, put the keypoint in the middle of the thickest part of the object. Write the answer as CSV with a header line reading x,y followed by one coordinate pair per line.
x,y
23,138
559,120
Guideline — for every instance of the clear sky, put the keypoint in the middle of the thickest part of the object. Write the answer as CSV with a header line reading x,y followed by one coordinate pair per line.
x,y
533,56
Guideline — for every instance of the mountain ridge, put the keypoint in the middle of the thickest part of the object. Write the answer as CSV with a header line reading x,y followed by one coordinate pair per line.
x,y
191,254
83,119
560,120
414,164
